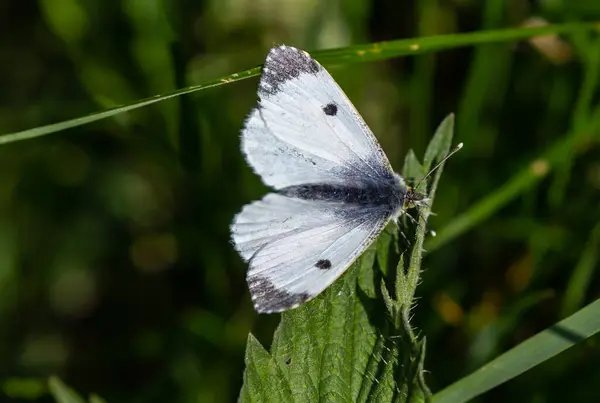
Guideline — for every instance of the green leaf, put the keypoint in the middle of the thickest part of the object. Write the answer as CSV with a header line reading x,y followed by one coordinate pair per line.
x,y
412,169
62,393
440,143
436,150
264,379
532,352
360,53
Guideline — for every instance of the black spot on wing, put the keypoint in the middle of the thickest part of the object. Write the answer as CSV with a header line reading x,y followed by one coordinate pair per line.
x,y
285,63
323,264
267,298
330,109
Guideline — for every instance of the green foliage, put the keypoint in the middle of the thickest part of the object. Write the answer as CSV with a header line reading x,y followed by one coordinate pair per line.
x,y
115,267
339,347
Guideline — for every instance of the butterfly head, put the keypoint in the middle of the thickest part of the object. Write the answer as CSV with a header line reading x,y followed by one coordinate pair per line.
x,y
413,198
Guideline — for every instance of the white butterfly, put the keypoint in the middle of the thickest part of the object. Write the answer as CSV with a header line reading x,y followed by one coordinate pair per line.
x,y
335,189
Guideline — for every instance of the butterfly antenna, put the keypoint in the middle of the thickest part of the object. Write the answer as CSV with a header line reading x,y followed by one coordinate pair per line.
x,y
432,170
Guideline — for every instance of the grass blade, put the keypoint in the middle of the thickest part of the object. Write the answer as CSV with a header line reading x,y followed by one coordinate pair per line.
x,y
96,399
68,124
532,352
583,273
62,393
360,53
386,50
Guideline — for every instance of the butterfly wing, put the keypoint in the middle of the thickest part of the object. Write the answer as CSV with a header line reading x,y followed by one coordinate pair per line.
x,y
305,129
296,248
337,190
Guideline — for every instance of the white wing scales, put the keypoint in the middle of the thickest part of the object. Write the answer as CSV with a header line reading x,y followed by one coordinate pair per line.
x,y
297,248
305,131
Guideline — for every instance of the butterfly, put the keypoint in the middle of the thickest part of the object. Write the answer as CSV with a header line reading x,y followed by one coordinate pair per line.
x,y
334,187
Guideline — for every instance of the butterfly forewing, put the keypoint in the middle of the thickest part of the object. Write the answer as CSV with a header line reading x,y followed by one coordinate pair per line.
x,y
305,129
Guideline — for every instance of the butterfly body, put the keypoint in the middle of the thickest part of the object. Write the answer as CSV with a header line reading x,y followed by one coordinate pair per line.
x,y
334,188
387,196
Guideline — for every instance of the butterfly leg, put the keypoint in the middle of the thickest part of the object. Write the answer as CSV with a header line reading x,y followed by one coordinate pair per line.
x,y
398,224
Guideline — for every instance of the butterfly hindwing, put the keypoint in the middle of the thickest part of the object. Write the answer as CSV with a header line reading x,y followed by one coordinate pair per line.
x,y
305,129
296,248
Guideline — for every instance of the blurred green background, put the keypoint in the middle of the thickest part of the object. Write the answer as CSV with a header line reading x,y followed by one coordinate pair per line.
x,y
116,271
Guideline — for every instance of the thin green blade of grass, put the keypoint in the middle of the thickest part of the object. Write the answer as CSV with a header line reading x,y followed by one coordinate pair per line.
x,y
520,182
422,83
360,53
530,353
482,89
68,124
386,50
582,275
62,393
96,399
590,54
487,341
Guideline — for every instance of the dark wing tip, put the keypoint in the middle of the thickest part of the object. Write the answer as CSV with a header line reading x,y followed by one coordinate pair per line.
x,y
284,63
268,299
